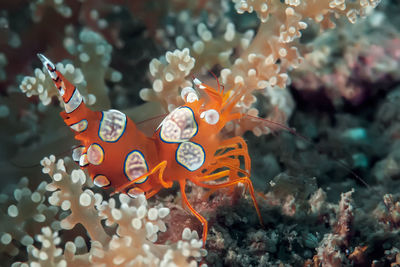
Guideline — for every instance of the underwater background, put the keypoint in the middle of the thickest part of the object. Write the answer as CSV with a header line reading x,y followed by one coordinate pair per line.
x,y
329,193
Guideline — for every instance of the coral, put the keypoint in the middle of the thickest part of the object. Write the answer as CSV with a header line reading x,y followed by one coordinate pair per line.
x,y
23,216
167,76
276,41
366,63
299,63
293,200
317,200
128,235
329,250
81,204
389,216
49,254
93,55
323,10
42,84
38,7
264,60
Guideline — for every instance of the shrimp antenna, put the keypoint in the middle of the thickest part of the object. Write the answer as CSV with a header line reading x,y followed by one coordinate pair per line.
x,y
195,87
194,78
307,140
34,165
24,166
152,118
216,78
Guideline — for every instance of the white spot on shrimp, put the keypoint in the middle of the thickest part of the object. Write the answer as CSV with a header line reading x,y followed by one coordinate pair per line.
x,y
80,126
179,126
112,125
101,181
211,116
135,166
95,154
190,155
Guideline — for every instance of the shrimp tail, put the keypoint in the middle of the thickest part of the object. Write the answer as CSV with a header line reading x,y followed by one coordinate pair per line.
x,y
75,108
65,88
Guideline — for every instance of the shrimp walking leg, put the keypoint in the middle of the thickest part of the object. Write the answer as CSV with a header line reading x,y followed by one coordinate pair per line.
x,y
161,167
234,140
195,213
244,180
234,153
152,193
214,176
243,151
233,164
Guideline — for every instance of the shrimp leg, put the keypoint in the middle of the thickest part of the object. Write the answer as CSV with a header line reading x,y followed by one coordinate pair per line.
x,y
203,221
235,140
161,166
233,164
243,151
152,193
214,176
245,180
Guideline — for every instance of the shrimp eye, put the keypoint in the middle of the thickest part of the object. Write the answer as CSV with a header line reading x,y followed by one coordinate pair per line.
x,y
211,116
189,95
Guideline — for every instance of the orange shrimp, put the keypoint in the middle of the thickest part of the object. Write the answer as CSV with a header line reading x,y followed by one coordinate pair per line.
x,y
187,145
190,145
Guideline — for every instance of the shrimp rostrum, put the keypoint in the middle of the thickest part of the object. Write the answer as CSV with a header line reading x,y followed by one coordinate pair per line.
x,y
186,146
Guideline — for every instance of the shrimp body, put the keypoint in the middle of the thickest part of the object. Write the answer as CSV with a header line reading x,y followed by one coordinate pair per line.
x,y
188,144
